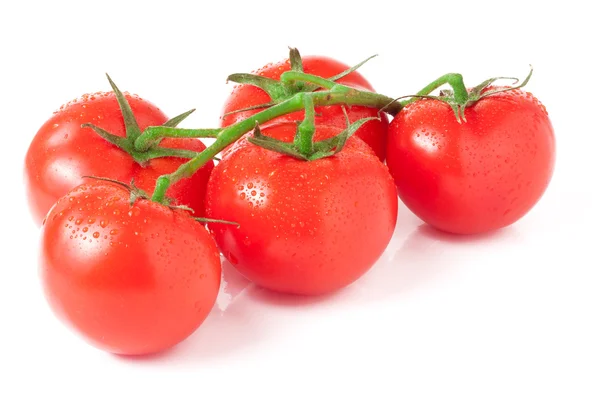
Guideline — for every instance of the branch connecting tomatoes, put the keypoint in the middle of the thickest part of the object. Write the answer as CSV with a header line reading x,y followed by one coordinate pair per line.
x,y
301,201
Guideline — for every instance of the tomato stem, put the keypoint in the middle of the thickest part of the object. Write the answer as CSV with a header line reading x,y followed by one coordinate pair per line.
x,y
453,79
306,129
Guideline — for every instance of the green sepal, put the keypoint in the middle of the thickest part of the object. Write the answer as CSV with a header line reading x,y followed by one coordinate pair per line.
x,y
275,89
216,221
275,145
488,82
296,60
351,70
333,145
173,122
120,142
134,192
132,130
256,107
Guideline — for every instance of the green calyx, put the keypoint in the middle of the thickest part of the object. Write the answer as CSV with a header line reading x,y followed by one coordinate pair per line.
x,y
459,97
288,84
133,132
304,147
135,193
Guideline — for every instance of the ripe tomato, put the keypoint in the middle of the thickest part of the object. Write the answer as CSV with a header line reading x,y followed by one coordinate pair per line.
x,y
131,279
476,176
62,152
306,227
372,132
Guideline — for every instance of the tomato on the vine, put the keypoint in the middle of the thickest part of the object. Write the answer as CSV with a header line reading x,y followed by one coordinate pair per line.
x,y
62,152
478,175
372,132
305,227
130,278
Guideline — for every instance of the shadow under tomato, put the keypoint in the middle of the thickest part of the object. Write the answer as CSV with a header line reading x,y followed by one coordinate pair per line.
x,y
279,299
425,255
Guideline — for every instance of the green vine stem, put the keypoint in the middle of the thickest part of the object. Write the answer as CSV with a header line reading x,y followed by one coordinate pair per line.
x,y
340,94
453,79
153,135
306,128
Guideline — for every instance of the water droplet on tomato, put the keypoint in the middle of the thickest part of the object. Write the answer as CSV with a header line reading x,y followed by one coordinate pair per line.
x,y
114,231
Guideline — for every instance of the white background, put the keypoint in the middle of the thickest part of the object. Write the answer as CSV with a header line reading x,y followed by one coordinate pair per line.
x,y
509,315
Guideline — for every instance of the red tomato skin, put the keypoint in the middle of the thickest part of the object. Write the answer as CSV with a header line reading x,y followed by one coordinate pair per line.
x,y
62,152
478,176
130,279
305,227
372,132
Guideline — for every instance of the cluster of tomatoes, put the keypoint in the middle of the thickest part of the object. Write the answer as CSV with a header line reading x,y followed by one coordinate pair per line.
x,y
134,276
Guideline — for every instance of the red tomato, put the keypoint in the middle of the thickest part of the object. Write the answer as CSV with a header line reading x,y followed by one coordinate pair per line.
x,y
477,176
130,279
306,227
372,132
62,152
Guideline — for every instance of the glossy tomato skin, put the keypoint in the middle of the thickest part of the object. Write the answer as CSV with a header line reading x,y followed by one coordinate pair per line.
x,y
305,227
372,132
62,152
478,176
129,279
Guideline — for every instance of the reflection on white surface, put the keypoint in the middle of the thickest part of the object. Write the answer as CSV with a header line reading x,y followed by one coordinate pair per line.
x,y
233,285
